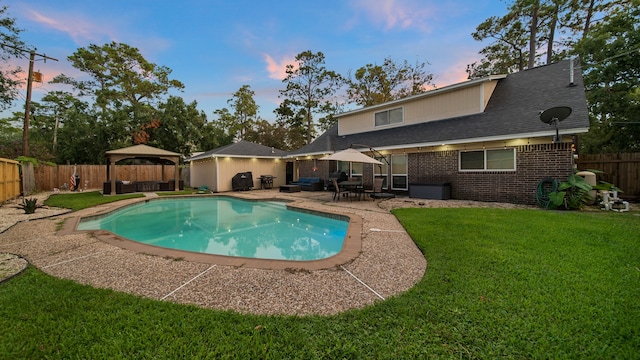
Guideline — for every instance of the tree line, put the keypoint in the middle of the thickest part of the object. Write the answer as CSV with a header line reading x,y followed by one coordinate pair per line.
x,y
126,100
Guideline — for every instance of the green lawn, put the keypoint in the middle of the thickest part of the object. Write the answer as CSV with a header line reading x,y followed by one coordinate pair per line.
x,y
499,283
82,200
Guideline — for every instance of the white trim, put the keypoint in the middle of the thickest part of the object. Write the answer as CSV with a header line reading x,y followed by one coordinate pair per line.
x,y
549,134
481,105
213,156
390,124
217,169
405,175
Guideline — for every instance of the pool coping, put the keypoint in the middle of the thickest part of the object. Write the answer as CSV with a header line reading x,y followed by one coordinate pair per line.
x,y
351,248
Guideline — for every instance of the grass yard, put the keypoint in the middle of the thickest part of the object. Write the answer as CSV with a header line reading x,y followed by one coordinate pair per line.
x,y
82,200
499,283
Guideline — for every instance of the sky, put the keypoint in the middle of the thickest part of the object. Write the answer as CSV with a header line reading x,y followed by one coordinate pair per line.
x,y
215,47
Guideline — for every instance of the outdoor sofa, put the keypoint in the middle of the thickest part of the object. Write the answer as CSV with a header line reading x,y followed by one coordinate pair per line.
x,y
121,187
309,183
171,185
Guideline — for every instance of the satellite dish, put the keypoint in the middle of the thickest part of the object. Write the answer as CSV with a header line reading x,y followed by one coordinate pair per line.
x,y
553,116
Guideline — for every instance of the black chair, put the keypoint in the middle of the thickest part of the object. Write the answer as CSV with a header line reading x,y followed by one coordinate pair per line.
x,y
337,191
377,188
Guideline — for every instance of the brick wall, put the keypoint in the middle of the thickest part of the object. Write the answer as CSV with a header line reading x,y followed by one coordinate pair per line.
x,y
306,168
533,163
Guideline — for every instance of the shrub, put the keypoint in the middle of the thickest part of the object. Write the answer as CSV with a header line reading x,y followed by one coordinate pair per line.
x,y
572,194
29,205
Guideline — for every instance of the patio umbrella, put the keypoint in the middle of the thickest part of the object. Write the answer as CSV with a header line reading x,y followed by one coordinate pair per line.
x,y
351,155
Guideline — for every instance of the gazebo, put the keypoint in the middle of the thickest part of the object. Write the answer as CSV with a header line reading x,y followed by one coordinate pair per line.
x,y
140,152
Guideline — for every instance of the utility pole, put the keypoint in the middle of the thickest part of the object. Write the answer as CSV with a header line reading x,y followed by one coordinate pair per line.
x,y
27,106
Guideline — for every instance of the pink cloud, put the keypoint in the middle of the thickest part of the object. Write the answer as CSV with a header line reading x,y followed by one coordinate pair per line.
x,y
79,29
277,69
452,75
395,13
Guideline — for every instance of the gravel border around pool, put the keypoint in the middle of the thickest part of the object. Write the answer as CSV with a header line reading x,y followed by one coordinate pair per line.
x,y
388,263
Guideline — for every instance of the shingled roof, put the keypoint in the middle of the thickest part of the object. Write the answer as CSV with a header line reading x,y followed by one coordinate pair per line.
x,y
512,112
242,148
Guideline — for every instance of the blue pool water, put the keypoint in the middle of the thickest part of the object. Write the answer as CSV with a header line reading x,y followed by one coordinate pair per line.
x,y
226,226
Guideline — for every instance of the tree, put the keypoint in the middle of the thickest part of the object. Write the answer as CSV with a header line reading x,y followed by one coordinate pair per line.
x,y
226,122
56,108
507,53
519,36
611,66
377,84
293,121
67,128
268,134
10,139
244,114
180,126
212,137
310,90
10,44
122,80
245,108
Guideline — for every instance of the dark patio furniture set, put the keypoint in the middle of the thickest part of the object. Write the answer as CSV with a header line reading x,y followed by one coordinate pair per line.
x,y
141,186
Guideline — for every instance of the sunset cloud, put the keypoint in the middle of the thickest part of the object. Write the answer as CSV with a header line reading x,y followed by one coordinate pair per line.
x,y
396,14
79,29
277,69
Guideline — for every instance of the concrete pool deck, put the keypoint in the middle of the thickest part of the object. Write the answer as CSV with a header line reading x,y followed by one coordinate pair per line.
x,y
388,262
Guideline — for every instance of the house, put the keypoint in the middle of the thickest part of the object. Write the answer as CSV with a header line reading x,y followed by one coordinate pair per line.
x,y
216,168
484,138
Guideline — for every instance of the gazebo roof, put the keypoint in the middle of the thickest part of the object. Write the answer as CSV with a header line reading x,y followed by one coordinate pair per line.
x,y
142,150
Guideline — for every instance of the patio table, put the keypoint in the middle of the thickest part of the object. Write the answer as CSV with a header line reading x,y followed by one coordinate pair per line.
x,y
353,186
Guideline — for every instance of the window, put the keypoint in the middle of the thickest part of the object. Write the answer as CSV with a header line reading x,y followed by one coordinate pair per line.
x,y
381,171
353,171
343,166
488,160
356,171
388,117
399,172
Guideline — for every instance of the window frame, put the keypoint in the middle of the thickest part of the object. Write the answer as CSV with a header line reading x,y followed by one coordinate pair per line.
x,y
388,112
485,162
384,173
350,169
404,175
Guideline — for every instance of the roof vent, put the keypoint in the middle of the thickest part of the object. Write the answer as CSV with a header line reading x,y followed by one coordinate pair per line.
x,y
571,70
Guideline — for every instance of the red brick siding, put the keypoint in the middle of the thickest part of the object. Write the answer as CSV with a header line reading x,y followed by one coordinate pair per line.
x,y
533,163
305,168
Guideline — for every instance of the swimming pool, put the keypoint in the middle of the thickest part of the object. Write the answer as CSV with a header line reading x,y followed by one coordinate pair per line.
x,y
226,226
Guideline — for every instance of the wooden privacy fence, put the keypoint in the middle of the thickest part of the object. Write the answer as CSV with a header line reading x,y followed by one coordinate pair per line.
x,y
93,176
622,170
9,180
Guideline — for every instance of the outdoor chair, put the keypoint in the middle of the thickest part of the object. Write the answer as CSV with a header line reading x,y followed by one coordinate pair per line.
x,y
338,191
377,188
